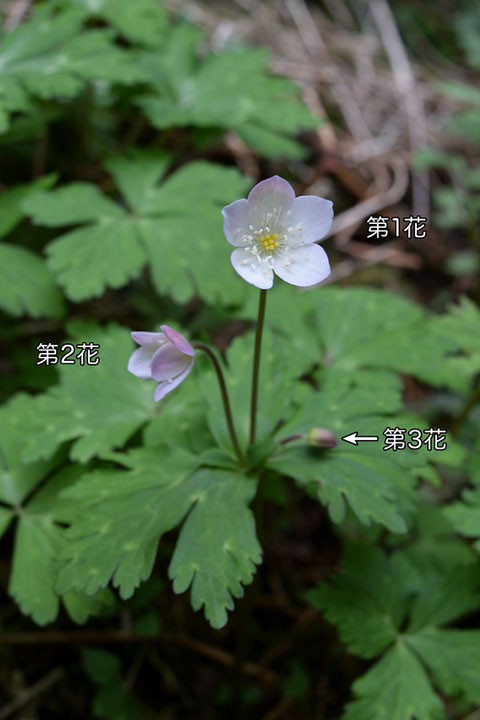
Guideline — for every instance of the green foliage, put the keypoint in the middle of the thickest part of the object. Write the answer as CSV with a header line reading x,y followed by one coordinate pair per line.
x,y
55,56
362,336
113,701
457,205
460,324
376,488
467,26
231,89
278,372
372,622
127,514
37,294
124,514
464,514
38,534
170,226
98,406
453,659
396,688
100,486
144,22
49,57
355,329
400,600
217,549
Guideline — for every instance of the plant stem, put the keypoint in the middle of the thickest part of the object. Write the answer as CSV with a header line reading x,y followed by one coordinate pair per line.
x,y
291,438
256,365
226,401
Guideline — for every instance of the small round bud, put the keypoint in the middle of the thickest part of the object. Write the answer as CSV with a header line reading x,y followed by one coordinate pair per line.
x,y
322,438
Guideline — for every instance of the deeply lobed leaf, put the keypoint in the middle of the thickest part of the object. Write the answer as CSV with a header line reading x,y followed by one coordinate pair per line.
x,y
175,227
125,513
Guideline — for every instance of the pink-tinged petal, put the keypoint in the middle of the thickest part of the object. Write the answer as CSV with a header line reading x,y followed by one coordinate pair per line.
x,y
314,215
166,386
236,218
303,266
270,195
148,338
140,363
168,362
247,266
178,340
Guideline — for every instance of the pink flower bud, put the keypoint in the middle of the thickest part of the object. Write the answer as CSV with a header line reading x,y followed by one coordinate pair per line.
x,y
322,438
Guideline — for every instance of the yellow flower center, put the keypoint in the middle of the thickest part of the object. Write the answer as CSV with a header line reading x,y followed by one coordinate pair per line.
x,y
270,242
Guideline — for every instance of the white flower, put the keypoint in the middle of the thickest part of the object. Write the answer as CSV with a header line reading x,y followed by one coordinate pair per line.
x,y
273,231
166,357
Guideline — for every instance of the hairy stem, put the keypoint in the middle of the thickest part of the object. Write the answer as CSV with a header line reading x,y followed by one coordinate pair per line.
x,y
256,365
226,401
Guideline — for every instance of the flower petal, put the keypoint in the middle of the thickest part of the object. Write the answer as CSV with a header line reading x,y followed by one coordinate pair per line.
x,y
303,266
237,217
271,194
250,269
178,340
140,363
147,338
168,362
166,386
314,215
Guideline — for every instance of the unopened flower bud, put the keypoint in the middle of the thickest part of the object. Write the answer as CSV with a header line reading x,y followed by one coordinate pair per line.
x,y
322,438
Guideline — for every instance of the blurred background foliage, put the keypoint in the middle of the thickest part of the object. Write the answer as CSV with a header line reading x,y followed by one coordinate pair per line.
x,y
124,128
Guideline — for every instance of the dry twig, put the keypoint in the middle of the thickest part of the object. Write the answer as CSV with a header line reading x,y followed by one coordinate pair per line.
x,y
405,80
15,13
25,697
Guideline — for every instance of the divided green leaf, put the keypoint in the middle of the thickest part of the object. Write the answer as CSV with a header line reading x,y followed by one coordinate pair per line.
x,y
399,602
464,514
176,227
460,324
51,57
124,513
360,328
97,406
38,534
217,549
372,622
395,688
36,294
453,657
378,486
230,89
